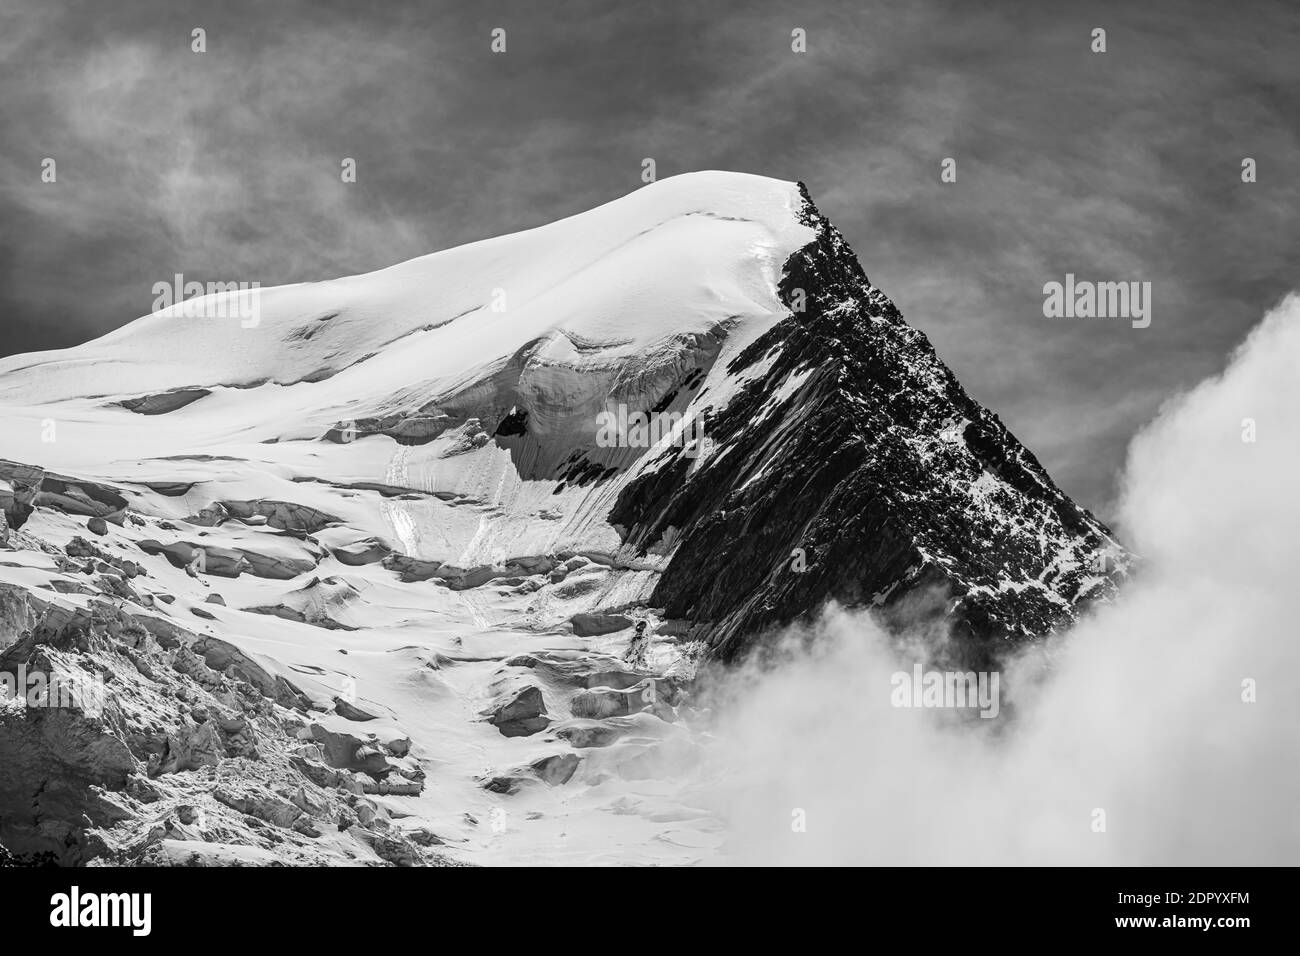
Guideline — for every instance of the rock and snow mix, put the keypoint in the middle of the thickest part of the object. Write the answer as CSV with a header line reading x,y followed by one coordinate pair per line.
x,y
358,579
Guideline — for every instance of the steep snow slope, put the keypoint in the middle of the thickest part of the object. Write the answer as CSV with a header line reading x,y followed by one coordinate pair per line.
x,y
428,559
672,260
604,308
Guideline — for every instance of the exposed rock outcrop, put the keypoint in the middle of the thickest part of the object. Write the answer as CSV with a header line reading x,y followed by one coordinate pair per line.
x,y
164,402
146,743
853,466
519,712
19,485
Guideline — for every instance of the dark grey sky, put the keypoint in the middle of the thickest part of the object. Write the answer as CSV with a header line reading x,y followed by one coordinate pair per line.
x,y
1114,166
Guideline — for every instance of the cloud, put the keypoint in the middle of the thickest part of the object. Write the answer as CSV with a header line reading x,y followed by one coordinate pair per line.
x,y
224,165
1137,712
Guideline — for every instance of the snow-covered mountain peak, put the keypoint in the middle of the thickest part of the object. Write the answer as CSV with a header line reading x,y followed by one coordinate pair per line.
x,y
412,516
678,257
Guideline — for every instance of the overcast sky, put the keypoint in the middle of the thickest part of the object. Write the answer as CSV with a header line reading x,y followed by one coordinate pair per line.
x,y
1123,165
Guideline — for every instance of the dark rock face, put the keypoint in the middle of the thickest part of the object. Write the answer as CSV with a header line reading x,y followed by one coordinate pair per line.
x,y
520,713
77,496
589,625
164,402
285,515
19,486
556,769
515,423
127,739
75,762
853,466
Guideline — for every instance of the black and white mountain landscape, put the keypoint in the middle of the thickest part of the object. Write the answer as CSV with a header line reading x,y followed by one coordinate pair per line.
x,y
360,539
653,535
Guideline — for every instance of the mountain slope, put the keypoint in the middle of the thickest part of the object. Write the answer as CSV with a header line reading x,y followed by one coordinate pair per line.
x,y
379,539
852,465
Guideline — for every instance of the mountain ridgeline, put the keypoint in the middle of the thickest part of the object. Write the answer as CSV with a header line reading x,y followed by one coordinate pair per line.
x,y
852,466
263,579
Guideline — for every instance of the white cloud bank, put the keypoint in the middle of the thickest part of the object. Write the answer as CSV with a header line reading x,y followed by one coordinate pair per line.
x,y
1137,712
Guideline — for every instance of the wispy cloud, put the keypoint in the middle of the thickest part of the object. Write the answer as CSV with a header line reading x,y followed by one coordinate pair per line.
x,y
1120,165
1160,730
